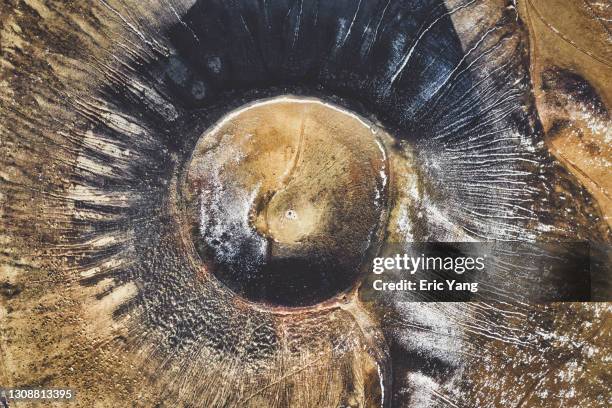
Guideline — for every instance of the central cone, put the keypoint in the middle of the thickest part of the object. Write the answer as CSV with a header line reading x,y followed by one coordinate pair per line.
x,y
286,198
